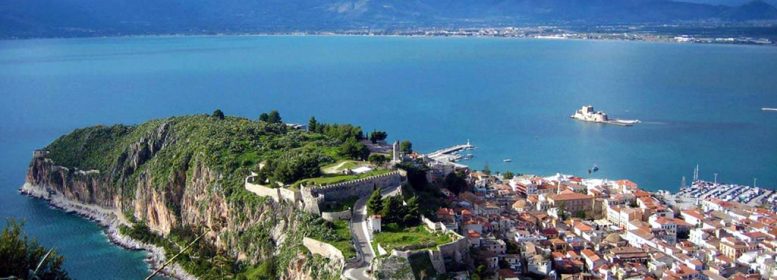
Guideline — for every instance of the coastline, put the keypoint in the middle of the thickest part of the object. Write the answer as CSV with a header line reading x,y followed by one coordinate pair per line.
x,y
109,220
666,39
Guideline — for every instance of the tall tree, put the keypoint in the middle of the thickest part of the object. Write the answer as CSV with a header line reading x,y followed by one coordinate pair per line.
x,y
312,124
487,169
412,213
376,136
393,211
354,150
508,175
274,117
218,114
264,117
406,147
375,202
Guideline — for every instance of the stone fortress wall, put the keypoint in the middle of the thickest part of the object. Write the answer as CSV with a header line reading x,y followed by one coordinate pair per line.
x,y
315,197
454,251
333,216
311,199
324,249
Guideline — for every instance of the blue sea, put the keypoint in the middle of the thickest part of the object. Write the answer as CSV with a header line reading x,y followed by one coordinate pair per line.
x,y
699,104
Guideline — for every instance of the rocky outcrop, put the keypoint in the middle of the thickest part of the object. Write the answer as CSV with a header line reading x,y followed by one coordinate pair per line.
x,y
191,197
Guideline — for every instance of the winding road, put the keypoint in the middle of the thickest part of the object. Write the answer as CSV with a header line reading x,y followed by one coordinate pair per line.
x,y
362,238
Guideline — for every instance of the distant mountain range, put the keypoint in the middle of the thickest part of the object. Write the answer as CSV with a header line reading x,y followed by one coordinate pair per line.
x,y
65,18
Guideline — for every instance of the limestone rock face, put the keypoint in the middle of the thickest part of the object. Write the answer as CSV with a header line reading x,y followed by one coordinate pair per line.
x,y
190,197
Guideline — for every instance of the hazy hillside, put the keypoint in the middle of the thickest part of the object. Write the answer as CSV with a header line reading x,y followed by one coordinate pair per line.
x,y
47,18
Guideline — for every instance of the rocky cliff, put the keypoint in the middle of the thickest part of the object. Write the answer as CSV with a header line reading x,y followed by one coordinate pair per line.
x,y
179,177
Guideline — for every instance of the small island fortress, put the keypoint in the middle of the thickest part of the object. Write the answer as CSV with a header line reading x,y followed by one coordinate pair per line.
x,y
588,114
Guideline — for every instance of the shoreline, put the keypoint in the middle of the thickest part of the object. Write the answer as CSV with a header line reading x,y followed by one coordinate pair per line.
x,y
664,40
110,221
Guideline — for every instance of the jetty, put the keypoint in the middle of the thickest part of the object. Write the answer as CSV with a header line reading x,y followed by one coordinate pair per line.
x,y
450,154
451,150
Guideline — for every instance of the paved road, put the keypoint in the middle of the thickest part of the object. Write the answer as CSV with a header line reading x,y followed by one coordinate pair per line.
x,y
363,240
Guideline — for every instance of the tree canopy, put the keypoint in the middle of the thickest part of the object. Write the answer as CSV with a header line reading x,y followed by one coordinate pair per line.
x,y
20,255
456,182
406,147
377,159
312,124
375,202
218,114
376,136
354,150
274,117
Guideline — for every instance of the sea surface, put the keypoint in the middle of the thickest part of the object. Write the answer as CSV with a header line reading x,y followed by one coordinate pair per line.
x,y
699,104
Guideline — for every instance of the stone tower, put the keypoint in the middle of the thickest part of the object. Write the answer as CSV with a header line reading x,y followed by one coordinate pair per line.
x,y
396,156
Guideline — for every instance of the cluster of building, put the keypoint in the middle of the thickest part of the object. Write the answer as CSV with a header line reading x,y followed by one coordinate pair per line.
x,y
567,227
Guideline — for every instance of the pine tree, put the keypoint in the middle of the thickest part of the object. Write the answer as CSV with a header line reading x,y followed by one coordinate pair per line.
x,y
375,202
218,114
313,124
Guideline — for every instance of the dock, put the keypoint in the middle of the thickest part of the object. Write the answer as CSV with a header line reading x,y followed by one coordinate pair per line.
x,y
450,150
450,154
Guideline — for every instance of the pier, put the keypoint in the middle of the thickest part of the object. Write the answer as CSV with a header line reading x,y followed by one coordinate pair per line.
x,y
450,150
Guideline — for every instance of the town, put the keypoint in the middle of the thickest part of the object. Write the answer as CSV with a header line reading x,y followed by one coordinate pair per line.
x,y
567,227
517,226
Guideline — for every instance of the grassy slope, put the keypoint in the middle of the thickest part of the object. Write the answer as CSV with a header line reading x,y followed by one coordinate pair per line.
x,y
410,236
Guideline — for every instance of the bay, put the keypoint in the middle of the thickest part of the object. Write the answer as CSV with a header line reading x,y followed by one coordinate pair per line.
x,y
699,104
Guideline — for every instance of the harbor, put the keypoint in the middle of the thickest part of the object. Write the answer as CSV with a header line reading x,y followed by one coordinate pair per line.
x,y
451,155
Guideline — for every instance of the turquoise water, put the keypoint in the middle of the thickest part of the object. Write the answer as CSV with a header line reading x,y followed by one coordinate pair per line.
x,y
512,98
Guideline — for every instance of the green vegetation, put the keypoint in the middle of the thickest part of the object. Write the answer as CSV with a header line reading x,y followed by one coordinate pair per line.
x,y
273,117
345,204
392,209
375,202
169,151
312,124
20,256
429,196
343,242
406,147
329,179
456,182
354,150
412,238
376,136
377,159
218,114
508,175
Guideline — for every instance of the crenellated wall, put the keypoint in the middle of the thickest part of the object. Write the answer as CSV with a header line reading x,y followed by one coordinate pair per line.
x,y
310,199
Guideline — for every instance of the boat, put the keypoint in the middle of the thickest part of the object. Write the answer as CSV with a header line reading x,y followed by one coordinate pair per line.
x,y
593,169
588,114
507,160
769,109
